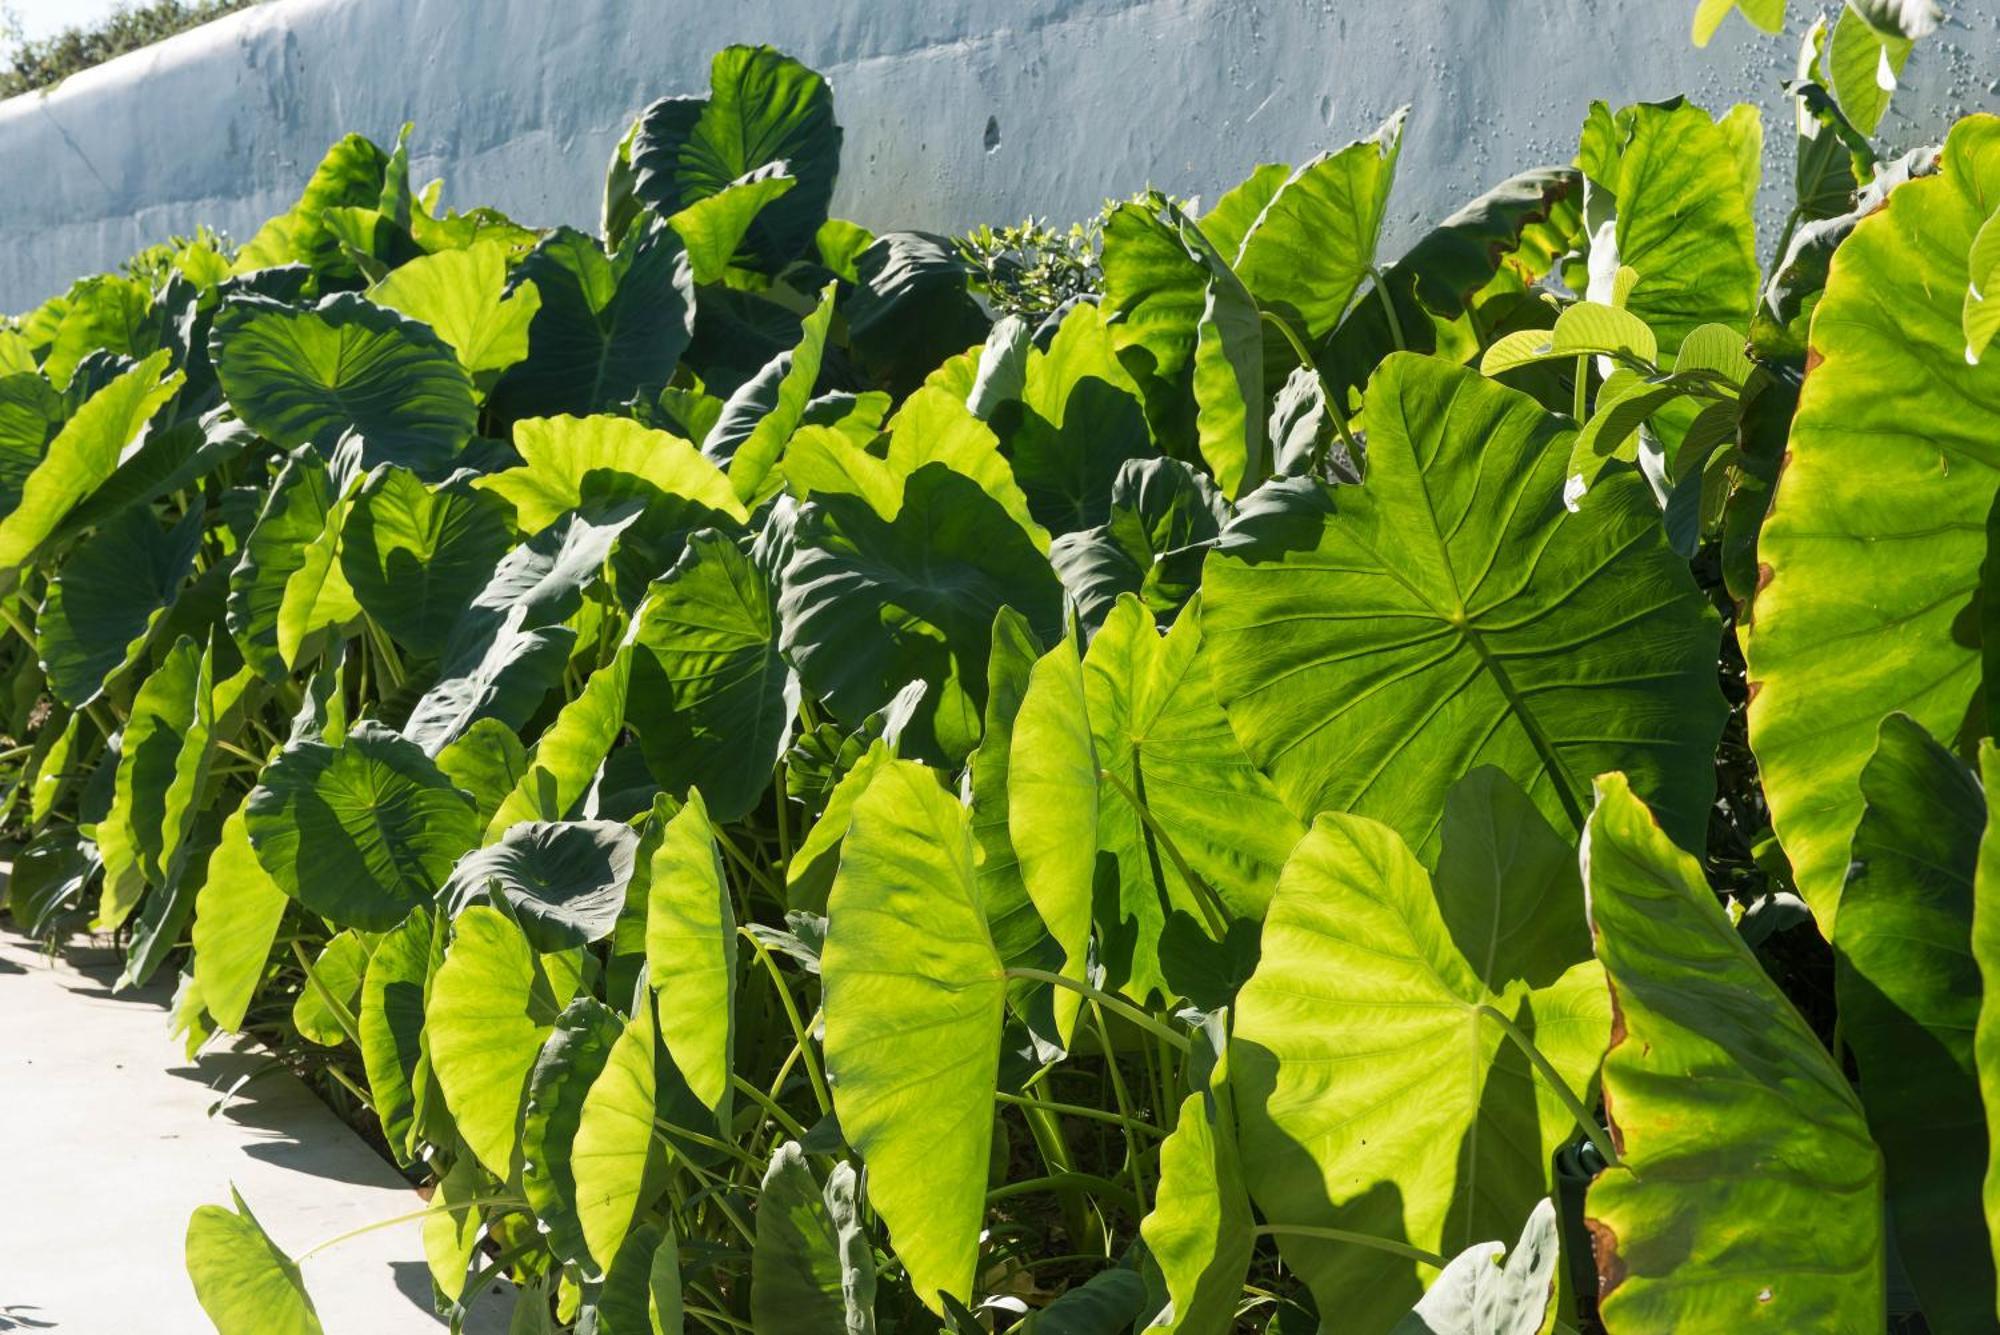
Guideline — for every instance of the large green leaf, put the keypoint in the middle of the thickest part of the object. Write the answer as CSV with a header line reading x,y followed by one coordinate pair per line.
x,y
567,756
451,1234
1314,242
1011,917
30,414
1684,222
609,327
103,313
1909,995
1167,746
563,456
390,1019
564,881
1199,1229
569,1063
106,597
713,228
1077,422
1863,66
1486,252
914,996
1709,14
309,376
490,1010
152,802
796,1266
762,108
1372,645
300,510
245,1282
350,176
1749,1193
910,308
82,455
1164,516
869,604
415,555
511,646
691,950
334,989
1377,1088
485,762
1870,555
642,1289
714,698
236,917
1229,381
463,296
617,1151
1052,817
362,832
756,421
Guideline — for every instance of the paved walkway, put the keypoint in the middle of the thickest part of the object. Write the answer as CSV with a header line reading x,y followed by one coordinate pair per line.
x,y
107,1145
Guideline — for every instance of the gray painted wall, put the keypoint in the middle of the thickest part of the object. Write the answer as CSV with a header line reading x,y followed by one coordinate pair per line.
x,y
517,103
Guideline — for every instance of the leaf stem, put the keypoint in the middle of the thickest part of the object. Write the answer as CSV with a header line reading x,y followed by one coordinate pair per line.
x,y
1106,1000
256,762
1333,408
1213,911
749,868
1389,1245
769,1105
1081,1110
1557,1085
513,1202
673,1130
1059,1182
1389,308
813,1072
340,1013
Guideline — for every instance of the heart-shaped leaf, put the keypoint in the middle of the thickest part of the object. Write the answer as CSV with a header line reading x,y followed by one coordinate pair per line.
x,y
359,833
1749,1190
564,883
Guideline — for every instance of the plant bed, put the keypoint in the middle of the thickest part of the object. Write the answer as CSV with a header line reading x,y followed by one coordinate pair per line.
x,y
1178,776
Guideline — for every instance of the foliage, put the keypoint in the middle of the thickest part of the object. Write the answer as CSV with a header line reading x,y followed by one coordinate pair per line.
x,y
1203,803
48,61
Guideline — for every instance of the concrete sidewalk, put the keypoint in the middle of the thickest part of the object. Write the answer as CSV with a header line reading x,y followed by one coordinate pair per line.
x,y
109,1145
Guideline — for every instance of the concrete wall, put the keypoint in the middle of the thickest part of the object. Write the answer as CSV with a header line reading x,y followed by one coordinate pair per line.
x,y
956,111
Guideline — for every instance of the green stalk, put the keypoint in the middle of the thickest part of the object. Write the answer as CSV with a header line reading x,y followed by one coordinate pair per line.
x,y
813,1073
748,868
1580,403
1085,1229
1057,1182
512,1202
1389,1245
764,1101
1124,1101
1082,1110
1326,391
1389,309
1121,1008
340,1013
256,762
385,651
1557,1086
1213,911
693,1137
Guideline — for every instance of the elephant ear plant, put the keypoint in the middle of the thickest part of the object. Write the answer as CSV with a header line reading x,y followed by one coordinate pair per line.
x,y
1291,788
